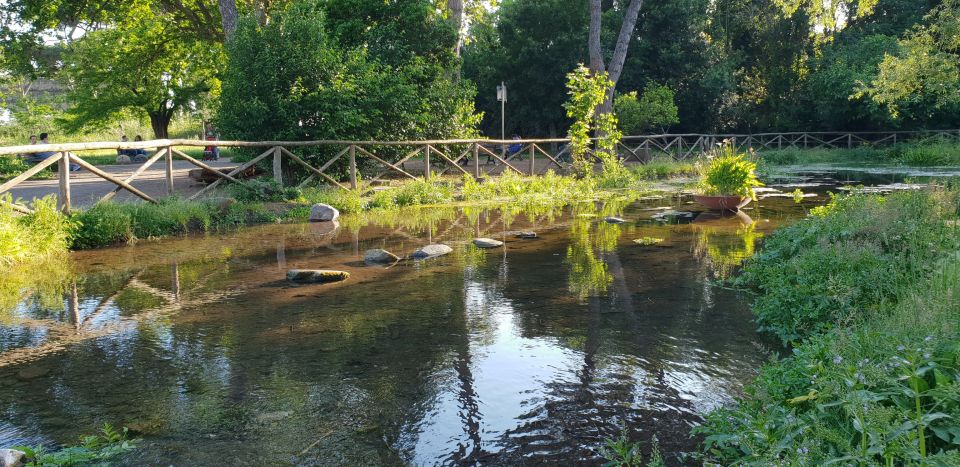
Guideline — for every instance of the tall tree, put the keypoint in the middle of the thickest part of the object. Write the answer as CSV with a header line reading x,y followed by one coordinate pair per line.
x,y
615,68
228,16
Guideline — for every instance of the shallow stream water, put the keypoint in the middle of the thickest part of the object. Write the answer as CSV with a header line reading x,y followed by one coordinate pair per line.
x,y
530,353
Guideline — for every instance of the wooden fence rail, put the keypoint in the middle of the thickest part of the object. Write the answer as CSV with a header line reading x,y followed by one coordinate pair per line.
x,y
413,159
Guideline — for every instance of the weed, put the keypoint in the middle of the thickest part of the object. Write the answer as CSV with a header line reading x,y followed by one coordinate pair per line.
x,y
94,449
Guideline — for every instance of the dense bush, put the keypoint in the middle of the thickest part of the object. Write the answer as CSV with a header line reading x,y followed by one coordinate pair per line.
x,y
872,284
836,267
303,77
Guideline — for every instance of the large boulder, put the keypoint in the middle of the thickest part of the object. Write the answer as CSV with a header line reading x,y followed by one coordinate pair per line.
x,y
123,159
379,256
313,276
431,251
12,458
487,243
323,213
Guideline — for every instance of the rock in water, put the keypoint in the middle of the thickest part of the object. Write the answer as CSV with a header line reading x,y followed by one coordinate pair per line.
x,y
12,458
430,251
379,256
487,243
323,213
316,275
527,234
614,220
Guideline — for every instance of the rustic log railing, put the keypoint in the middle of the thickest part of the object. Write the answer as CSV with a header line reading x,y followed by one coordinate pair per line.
x,y
421,158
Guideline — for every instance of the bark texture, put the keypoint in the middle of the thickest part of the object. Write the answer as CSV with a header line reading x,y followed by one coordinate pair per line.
x,y
228,17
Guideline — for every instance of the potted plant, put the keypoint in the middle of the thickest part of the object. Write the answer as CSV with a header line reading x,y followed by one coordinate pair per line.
x,y
727,180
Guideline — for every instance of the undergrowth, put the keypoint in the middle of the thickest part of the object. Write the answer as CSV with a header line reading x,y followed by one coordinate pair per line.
x,y
96,449
868,288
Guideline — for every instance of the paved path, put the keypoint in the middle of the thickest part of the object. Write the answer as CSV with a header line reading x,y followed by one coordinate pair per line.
x,y
86,188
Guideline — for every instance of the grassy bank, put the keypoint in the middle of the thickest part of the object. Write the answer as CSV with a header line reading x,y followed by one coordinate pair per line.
x,y
114,223
868,290
929,154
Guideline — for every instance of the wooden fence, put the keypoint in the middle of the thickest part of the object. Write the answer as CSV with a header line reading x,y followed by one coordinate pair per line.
x,y
415,159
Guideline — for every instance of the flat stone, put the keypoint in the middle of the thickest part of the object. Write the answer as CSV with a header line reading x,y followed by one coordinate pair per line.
x,y
487,243
316,275
379,256
671,214
614,220
526,234
430,251
12,458
32,372
323,213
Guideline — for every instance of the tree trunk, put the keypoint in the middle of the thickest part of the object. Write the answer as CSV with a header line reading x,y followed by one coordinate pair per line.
x,y
615,67
228,17
456,19
596,53
160,122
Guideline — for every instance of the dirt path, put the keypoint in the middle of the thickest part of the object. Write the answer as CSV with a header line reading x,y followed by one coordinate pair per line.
x,y
86,188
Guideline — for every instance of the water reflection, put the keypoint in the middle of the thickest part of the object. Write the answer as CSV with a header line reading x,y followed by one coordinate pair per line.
x,y
724,241
529,353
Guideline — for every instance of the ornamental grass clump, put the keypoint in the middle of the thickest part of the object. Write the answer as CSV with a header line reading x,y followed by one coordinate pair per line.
x,y
727,172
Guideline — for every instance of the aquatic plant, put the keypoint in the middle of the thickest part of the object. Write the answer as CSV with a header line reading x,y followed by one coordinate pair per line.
x,y
727,172
94,449
621,452
648,241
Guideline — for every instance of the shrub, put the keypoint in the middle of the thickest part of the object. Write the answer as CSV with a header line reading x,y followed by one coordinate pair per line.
x,y
834,267
871,285
111,223
728,173
262,190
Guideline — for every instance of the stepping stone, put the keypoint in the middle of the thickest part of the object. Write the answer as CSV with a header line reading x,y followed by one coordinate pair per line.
x,y
314,276
487,243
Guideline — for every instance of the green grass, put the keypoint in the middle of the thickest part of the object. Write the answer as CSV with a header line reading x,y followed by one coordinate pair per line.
x,y
112,223
39,235
930,154
868,288
663,167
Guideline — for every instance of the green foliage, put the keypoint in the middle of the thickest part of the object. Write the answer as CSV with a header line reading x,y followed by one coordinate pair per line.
x,y
884,392
587,92
305,76
664,167
36,236
655,108
92,450
833,269
648,241
929,154
924,78
621,452
728,173
262,190
138,65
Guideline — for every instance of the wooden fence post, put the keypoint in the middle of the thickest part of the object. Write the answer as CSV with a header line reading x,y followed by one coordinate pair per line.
x,y
353,167
278,166
168,162
849,141
426,162
533,159
476,160
64,176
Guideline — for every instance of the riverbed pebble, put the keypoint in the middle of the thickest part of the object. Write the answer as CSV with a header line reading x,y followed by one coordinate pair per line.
x,y
487,243
379,256
323,213
431,251
316,275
